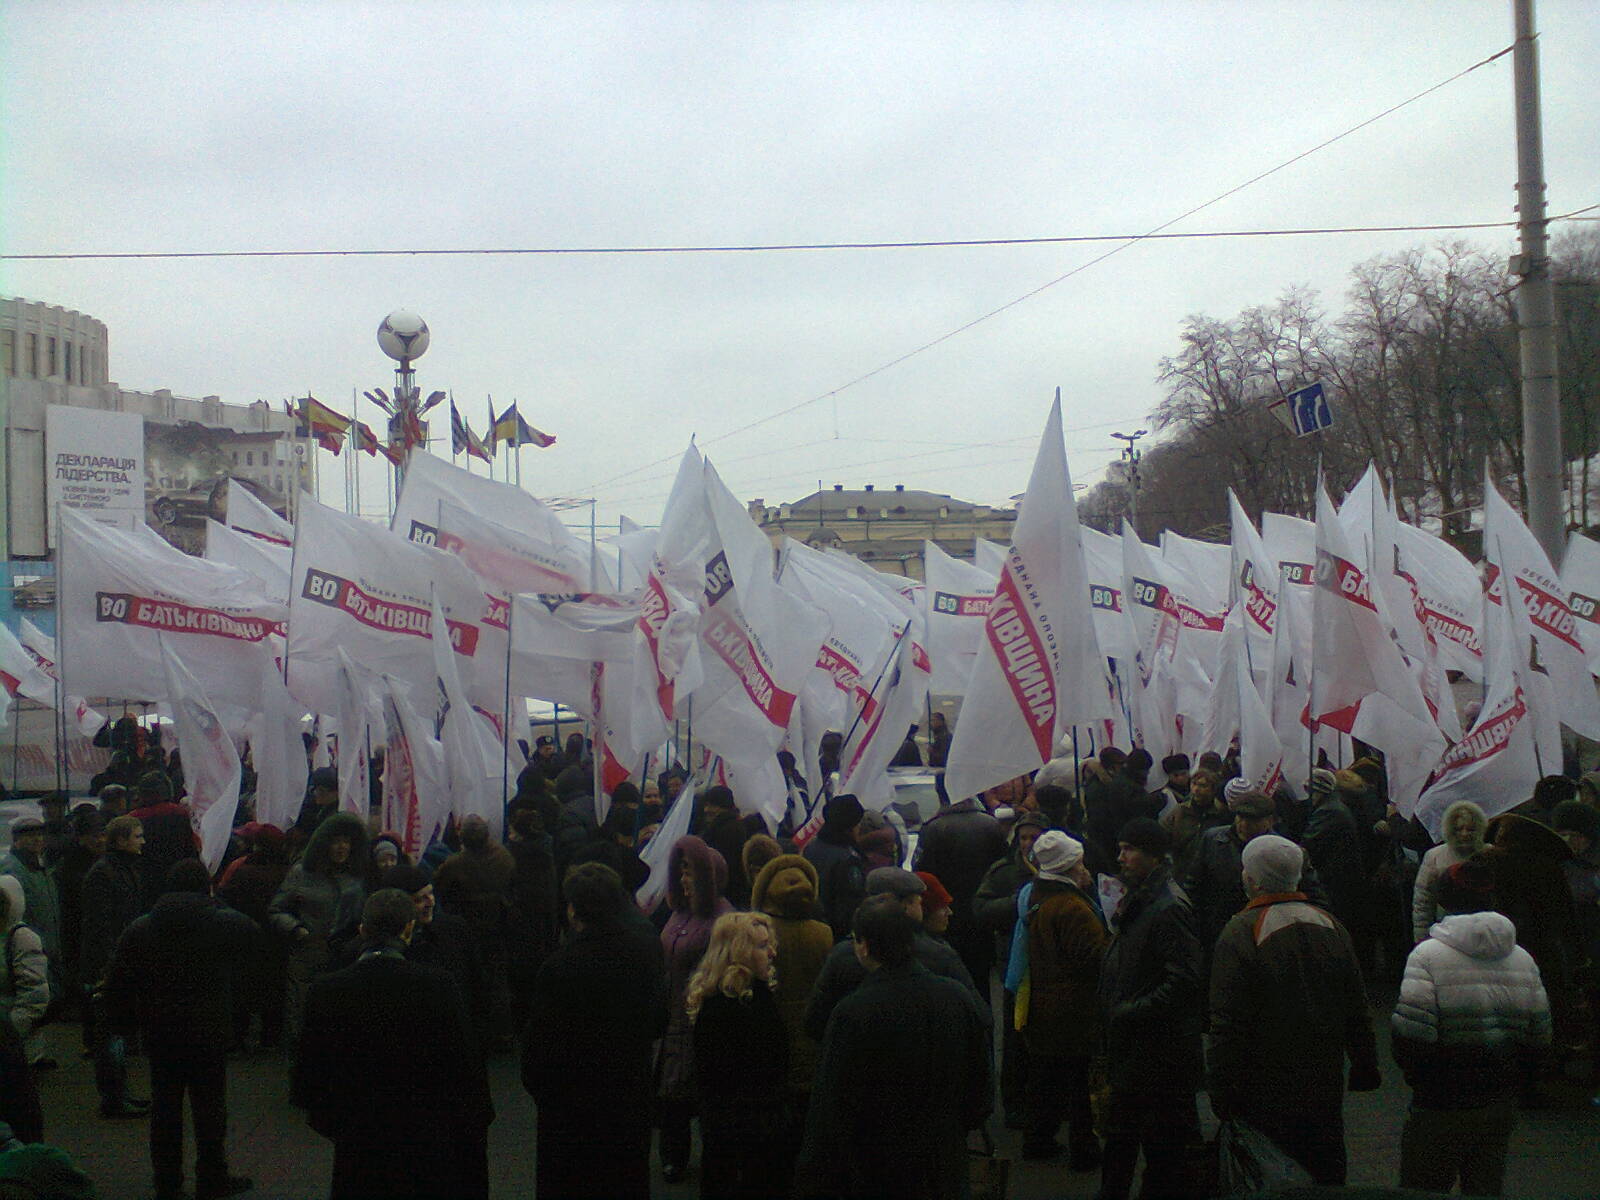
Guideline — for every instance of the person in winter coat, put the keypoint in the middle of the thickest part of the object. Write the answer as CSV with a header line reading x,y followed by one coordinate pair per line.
x,y
1578,825
25,863
1287,1007
475,884
1334,845
842,971
903,1033
25,974
532,923
113,895
598,1003
1463,826
614,848
696,877
168,833
1067,939
759,850
841,874
440,939
786,890
1214,882
21,1114
741,1052
318,908
176,971
1194,815
1126,796
1471,1016
249,886
724,830
1150,1005
87,845
1530,887
959,844
387,1071
995,907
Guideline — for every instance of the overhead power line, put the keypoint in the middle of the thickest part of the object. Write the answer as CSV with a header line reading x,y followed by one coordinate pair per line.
x,y
765,248
1100,258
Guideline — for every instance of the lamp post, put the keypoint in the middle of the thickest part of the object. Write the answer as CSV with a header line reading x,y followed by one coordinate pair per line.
x,y
404,337
1130,455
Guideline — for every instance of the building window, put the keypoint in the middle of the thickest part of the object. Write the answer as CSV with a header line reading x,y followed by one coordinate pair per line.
x,y
83,364
50,357
30,360
67,361
8,351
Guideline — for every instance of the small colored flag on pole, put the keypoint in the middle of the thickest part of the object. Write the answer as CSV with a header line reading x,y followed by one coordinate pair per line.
x,y
463,440
319,421
510,429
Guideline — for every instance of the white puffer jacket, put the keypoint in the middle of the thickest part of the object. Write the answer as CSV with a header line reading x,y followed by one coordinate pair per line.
x,y
24,986
1470,1005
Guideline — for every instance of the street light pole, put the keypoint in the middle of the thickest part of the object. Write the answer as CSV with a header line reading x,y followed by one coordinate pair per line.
x,y
1536,306
1130,454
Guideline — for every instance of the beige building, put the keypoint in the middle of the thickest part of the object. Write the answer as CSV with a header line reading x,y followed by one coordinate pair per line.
x,y
886,527
55,356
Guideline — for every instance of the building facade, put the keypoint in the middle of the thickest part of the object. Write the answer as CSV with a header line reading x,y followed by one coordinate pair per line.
x,y
51,356
885,528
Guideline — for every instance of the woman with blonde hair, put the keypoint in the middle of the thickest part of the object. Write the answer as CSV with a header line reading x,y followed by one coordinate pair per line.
x,y
1463,827
741,1061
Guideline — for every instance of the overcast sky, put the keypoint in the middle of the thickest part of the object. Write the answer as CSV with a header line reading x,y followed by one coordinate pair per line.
x,y
255,126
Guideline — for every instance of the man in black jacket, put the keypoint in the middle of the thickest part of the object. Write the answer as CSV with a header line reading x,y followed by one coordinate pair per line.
x,y
113,896
388,1071
1150,990
959,844
444,941
598,1003
925,1034
174,972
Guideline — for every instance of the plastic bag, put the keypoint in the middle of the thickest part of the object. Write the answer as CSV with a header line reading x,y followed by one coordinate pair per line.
x,y
1252,1164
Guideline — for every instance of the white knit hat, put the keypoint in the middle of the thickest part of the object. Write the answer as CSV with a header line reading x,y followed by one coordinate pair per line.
x,y
1274,863
1055,854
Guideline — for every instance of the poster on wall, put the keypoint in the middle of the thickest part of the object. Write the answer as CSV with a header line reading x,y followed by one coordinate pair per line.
x,y
94,463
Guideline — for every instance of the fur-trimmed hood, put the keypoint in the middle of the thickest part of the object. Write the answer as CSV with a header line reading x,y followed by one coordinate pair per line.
x,y
710,875
337,825
786,887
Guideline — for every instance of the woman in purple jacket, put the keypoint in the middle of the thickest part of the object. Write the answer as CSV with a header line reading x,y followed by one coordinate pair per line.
x,y
696,878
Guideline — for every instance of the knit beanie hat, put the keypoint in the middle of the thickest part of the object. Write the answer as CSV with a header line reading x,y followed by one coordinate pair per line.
x,y
1467,887
937,896
1173,763
1244,802
1576,817
1055,854
1323,782
1274,863
1144,833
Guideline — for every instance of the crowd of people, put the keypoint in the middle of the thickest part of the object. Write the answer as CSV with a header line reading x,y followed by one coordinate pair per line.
x,y
824,1010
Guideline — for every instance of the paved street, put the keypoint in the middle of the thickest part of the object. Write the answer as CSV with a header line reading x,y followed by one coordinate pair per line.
x,y
1553,1152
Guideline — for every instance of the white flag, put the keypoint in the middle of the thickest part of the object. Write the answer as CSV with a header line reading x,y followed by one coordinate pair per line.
x,y
123,594
474,762
1361,683
357,710
416,787
1291,542
667,664
1039,670
957,597
656,855
267,561
431,481
1256,578
41,647
1237,710
210,761
1102,557
1497,763
1205,564
20,672
1508,543
1451,595
253,519
278,753
1580,575
359,588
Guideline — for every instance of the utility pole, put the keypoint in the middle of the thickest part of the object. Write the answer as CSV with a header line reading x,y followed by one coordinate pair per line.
x,y
1130,455
1536,306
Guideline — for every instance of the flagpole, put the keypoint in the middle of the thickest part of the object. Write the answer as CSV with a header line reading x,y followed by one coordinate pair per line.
x,y
505,727
355,413
597,670
61,645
